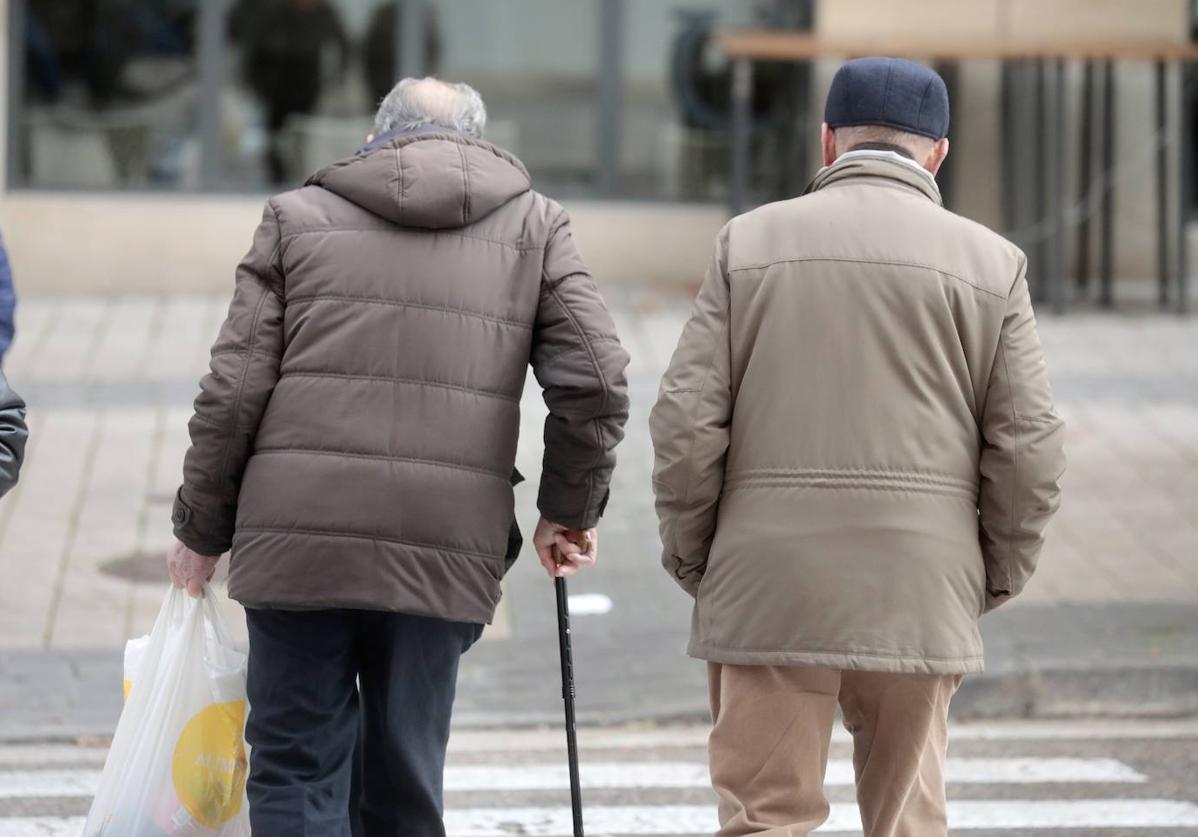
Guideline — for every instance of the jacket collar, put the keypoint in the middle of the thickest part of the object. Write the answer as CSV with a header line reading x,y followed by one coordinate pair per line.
x,y
383,139
877,165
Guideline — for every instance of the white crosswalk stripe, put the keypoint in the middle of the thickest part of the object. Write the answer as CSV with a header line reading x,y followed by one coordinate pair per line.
x,y
623,775
44,790
695,819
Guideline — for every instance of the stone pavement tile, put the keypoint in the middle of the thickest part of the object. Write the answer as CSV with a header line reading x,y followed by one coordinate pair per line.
x,y
92,608
172,447
40,531
1146,487
1125,532
662,326
185,330
33,323
66,351
1056,578
649,326
123,347
627,320
1108,546
214,317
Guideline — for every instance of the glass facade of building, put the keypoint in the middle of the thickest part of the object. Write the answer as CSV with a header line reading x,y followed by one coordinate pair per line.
x,y
600,98
103,94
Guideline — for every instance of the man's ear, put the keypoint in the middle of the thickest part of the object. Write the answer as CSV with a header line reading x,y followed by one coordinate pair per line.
x,y
936,158
827,137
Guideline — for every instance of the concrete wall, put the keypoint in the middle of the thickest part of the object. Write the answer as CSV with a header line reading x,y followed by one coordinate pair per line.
x,y
78,242
1109,21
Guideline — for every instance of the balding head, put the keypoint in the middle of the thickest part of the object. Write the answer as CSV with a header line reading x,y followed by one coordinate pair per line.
x,y
416,102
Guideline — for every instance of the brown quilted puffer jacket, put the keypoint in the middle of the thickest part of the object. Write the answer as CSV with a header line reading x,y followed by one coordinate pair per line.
x,y
354,442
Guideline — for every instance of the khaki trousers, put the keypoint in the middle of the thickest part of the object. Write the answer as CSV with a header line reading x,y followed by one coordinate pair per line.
x,y
769,748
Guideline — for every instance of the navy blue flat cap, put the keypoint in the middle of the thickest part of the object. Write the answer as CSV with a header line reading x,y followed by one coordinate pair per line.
x,y
889,91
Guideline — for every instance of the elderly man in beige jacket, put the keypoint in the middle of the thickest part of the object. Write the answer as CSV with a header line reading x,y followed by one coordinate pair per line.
x,y
856,457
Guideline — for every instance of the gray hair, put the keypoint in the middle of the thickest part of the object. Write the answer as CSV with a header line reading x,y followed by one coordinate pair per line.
x,y
417,102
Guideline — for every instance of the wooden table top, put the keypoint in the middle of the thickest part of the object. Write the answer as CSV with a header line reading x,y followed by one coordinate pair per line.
x,y
776,45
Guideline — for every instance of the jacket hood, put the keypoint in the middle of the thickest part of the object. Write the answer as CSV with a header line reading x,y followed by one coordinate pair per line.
x,y
430,180
877,165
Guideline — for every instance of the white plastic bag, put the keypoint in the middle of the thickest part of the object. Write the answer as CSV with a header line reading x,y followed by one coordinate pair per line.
x,y
177,766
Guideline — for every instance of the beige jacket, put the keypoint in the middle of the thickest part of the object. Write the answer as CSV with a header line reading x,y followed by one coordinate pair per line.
x,y
354,442
856,446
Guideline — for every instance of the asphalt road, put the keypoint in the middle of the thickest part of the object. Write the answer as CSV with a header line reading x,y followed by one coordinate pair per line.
x,y
1134,779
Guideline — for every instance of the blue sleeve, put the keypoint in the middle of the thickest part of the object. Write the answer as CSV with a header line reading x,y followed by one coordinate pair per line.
x,y
8,303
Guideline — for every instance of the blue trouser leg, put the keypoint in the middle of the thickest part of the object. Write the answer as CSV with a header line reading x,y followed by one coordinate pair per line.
x,y
303,721
408,678
316,758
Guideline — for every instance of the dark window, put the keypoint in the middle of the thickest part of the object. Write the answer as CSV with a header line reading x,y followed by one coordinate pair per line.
x,y
108,94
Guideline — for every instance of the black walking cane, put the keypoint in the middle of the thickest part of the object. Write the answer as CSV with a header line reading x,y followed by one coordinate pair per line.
x,y
563,642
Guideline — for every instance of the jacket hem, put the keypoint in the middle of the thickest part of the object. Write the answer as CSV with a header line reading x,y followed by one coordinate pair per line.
x,y
842,660
304,604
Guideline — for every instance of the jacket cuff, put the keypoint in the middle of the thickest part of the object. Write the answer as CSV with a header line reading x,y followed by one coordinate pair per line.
x,y
690,583
200,532
993,600
552,510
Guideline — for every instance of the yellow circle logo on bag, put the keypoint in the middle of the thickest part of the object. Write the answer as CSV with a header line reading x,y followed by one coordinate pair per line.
x,y
209,767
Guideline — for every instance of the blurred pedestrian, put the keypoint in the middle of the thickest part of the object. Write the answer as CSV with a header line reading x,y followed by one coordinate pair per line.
x,y
8,304
13,430
856,457
285,46
378,50
13,435
355,441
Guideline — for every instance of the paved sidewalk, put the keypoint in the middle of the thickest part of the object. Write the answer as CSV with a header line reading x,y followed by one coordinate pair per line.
x,y
110,381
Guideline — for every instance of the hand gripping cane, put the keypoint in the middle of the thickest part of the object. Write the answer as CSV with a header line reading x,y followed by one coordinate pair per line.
x,y
563,641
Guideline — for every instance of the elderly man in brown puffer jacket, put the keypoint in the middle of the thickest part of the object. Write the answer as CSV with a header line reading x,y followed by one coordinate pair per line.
x,y
856,456
354,445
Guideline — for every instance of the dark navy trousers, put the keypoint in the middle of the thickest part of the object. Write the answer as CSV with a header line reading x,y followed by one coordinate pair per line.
x,y
349,721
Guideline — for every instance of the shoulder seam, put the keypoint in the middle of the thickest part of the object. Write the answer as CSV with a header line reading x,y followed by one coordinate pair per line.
x,y
892,262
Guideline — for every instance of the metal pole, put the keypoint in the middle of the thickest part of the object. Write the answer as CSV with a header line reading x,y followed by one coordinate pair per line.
x,y
1085,176
1010,142
796,129
567,661
1162,185
1107,220
1057,185
409,38
742,102
610,105
1185,190
1043,191
1023,171
212,71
